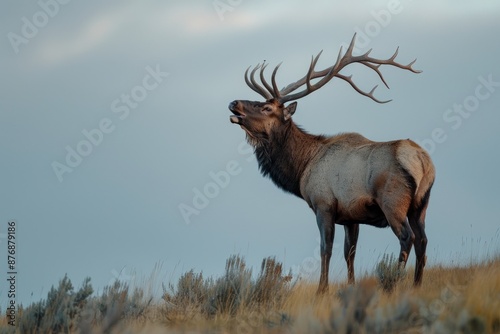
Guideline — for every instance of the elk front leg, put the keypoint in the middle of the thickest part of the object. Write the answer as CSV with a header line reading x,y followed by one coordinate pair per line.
x,y
327,232
351,239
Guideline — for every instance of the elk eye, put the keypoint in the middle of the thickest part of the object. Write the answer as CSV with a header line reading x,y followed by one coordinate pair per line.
x,y
267,109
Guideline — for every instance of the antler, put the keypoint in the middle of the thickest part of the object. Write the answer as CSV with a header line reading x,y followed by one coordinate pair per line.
x,y
285,94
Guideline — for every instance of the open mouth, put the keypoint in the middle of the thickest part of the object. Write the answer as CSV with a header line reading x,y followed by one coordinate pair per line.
x,y
236,118
238,115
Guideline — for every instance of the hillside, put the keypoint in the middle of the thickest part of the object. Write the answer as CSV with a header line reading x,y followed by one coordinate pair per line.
x,y
451,300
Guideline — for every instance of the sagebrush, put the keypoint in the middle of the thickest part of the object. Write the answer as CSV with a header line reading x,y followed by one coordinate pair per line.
x,y
451,300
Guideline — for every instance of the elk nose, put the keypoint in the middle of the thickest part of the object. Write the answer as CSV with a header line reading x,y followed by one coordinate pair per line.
x,y
233,105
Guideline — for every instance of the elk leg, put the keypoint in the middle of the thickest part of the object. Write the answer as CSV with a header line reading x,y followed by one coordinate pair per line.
x,y
417,223
406,237
351,239
401,228
395,208
327,232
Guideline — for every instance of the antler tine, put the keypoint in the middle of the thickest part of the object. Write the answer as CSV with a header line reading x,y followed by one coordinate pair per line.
x,y
297,84
263,79
395,54
410,68
276,90
314,61
357,89
376,69
365,60
405,67
247,81
254,85
326,75
339,57
264,93
348,53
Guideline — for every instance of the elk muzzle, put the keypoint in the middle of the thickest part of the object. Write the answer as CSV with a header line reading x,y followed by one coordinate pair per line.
x,y
236,109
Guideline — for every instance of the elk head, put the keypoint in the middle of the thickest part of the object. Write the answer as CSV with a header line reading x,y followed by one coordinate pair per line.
x,y
261,120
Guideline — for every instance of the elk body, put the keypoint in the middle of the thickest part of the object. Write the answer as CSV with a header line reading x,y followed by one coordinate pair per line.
x,y
346,179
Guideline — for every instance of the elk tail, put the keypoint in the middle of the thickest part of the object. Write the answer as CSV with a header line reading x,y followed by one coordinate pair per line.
x,y
417,163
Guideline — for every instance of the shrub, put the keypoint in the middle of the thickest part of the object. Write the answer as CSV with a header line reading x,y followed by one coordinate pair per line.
x,y
389,272
230,293
232,290
114,305
271,286
60,312
191,289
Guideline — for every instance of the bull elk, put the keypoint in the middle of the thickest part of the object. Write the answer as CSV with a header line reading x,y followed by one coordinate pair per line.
x,y
346,179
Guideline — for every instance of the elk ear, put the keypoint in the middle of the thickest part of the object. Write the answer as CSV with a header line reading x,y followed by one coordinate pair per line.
x,y
289,110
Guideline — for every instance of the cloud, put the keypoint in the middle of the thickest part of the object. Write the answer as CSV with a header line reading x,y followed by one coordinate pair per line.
x,y
182,20
96,32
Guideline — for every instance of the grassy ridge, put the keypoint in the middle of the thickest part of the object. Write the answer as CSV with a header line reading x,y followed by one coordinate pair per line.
x,y
451,300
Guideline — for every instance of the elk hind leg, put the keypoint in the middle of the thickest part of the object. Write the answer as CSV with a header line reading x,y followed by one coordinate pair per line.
x,y
417,223
406,239
395,213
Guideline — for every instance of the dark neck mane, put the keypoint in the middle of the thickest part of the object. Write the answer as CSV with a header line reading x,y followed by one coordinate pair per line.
x,y
285,154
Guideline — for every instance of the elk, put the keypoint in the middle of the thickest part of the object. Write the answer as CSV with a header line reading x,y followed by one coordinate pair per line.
x,y
346,179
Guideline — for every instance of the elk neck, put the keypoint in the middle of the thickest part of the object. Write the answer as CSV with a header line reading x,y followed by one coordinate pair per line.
x,y
285,155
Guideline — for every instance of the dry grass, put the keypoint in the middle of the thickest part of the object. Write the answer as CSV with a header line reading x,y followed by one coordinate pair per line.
x,y
451,300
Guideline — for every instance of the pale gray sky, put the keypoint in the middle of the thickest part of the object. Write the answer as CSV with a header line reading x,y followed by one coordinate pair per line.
x,y
155,78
